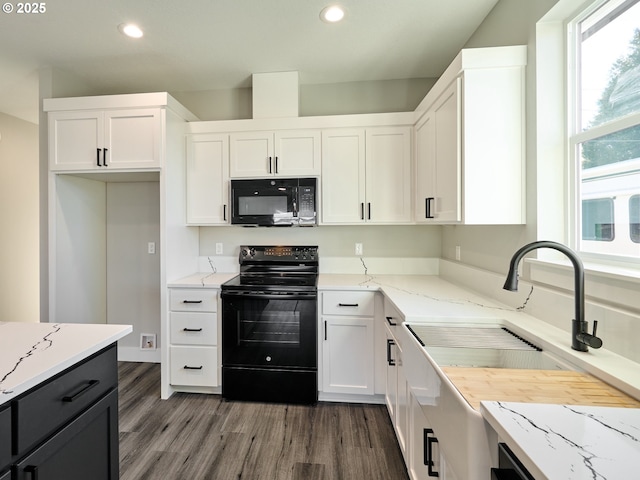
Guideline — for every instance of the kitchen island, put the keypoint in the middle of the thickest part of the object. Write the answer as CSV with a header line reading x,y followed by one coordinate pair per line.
x,y
568,442
59,400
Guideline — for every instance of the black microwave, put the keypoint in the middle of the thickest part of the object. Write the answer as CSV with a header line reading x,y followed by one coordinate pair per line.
x,y
274,202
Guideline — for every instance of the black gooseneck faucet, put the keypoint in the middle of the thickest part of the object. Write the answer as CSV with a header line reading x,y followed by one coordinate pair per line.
x,y
581,339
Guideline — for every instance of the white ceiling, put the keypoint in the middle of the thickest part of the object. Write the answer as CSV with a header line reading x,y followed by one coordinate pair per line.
x,y
198,45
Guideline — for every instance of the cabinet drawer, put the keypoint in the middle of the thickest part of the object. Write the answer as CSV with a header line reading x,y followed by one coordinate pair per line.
x,y
47,407
194,366
194,328
348,303
5,438
194,300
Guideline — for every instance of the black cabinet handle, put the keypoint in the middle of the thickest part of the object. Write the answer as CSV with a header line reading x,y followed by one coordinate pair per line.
x,y
81,391
192,301
429,440
362,211
390,360
32,470
270,165
348,305
276,164
427,207
369,211
224,212
98,156
393,324
325,329
104,157
191,329
187,367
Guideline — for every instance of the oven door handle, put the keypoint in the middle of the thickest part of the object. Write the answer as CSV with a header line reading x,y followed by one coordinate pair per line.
x,y
272,296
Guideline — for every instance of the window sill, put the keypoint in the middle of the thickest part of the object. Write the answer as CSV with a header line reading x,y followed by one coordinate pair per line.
x,y
607,284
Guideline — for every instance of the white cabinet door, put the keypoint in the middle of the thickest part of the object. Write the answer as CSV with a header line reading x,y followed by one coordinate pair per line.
x,y
388,175
293,153
402,404
251,154
208,180
133,138
74,140
343,176
100,139
425,184
347,354
297,153
446,206
391,393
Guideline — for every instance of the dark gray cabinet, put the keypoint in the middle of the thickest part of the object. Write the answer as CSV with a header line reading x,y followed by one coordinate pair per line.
x,y
87,448
66,427
5,440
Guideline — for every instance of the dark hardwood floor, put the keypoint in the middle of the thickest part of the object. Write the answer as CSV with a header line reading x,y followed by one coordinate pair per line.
x,y
202,437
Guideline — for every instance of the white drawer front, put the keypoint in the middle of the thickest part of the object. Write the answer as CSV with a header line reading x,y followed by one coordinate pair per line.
x,y
348,303
194,300
194,366
194,328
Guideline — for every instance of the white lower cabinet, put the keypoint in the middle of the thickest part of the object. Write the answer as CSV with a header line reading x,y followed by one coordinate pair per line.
x,y
397,394
425,459
347,340
193,339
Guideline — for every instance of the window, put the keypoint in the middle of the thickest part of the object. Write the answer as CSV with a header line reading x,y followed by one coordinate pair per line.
x,y
634,218
597,220
605,128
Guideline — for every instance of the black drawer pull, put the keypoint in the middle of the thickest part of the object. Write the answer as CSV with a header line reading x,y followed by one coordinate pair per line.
x,y
104,157
191,329
348,305
390,360
81,391
32,470
393,324
192,301
98,157
187,367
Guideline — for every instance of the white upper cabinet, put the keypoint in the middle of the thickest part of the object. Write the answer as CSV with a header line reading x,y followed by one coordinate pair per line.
x,y
388,175
343,175
92,140
470,141
208,179
366,175
291,153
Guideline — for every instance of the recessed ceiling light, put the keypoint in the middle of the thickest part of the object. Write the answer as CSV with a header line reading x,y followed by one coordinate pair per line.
x,y
332,13
130,30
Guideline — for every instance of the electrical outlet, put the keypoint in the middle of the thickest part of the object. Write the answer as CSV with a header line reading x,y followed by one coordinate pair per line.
x,y
218,249
359,249
151,248
458,252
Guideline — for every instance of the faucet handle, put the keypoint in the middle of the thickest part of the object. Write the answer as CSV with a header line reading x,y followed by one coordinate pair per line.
x,y
595,327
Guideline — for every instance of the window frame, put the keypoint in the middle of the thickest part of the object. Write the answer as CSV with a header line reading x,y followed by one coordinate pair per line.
x,y
576,137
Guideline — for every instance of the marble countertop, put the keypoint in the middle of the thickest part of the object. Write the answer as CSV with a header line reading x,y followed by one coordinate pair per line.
x,y
569,442
30,353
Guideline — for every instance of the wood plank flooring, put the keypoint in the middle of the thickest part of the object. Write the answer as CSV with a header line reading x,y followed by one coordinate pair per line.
x,y
202,437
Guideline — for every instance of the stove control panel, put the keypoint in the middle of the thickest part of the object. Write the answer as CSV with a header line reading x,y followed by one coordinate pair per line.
x,y
278,253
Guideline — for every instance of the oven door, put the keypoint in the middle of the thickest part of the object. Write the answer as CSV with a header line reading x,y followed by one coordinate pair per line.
x,y
264,202
269,330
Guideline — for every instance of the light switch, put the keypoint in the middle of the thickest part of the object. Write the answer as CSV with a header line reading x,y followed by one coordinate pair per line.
x,y
151,248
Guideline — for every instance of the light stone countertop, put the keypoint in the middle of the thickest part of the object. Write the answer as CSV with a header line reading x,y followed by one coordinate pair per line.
x,y
569,442
31,353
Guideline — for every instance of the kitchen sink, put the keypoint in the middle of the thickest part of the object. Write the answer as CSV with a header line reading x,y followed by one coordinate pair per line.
x,y
494,358
482,346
